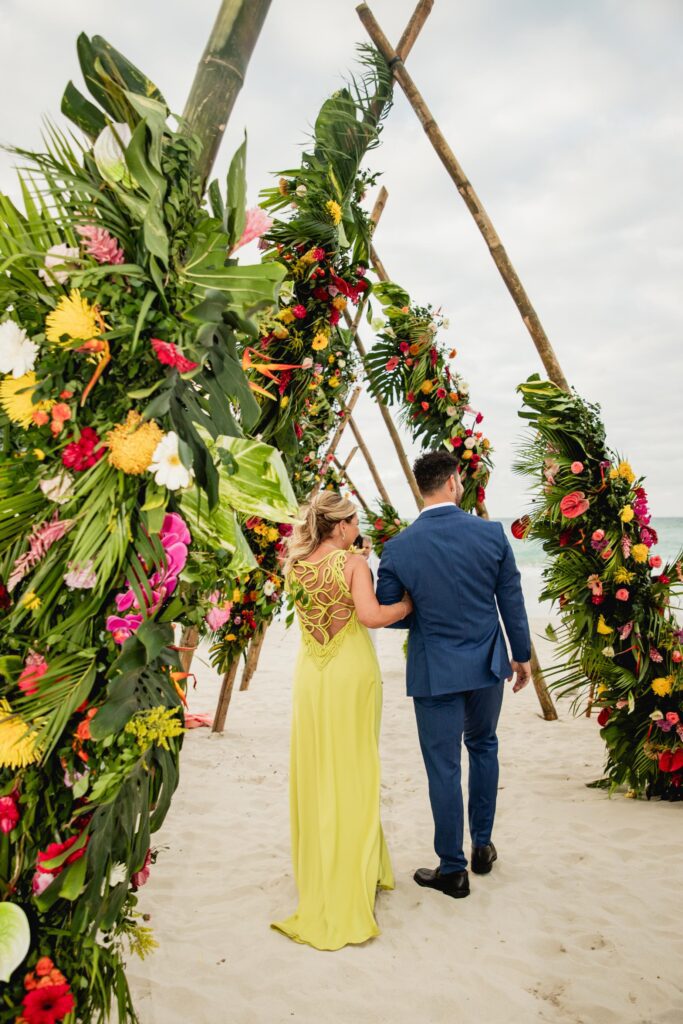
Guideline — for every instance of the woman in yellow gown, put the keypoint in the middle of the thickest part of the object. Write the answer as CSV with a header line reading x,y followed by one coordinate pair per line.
x,y
338,848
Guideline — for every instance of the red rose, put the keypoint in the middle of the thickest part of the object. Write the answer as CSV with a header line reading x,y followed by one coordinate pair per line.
x,y
410,396
604,717
334,317
379,524
574,505
481,495
321,293
456,442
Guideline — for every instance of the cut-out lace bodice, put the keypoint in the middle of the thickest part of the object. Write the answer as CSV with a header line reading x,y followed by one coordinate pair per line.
x,y
323,601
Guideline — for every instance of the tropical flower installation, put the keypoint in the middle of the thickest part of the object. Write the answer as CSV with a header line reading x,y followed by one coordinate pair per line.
x,y
619,638
407,366
123,406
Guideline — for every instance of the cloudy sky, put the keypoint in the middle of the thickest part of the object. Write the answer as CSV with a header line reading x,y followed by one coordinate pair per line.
x,y
567,118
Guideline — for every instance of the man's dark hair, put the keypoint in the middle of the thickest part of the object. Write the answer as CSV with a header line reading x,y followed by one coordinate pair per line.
x,y
433,470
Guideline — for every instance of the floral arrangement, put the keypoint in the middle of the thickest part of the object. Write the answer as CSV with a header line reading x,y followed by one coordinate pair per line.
x,y
408,366
383,524
619,636
123,407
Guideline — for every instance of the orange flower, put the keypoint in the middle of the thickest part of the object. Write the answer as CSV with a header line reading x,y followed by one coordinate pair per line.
x,y
30,982
414,349
40,417
44,966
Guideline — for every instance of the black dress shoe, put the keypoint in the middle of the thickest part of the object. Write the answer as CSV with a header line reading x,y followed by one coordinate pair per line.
x,y
482,859
455,884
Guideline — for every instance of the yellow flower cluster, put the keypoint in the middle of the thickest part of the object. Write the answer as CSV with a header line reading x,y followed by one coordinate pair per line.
x,y
626,514
16,399
339,302
663,685
334,210
155,726
132,444
640,552
74,317
602,627
31,600
286,316
624,472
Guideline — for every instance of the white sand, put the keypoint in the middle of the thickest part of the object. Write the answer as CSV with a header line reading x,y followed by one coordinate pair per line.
x,y
580,921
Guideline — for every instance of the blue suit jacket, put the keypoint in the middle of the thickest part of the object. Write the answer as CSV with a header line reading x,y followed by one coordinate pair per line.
x,y
460,572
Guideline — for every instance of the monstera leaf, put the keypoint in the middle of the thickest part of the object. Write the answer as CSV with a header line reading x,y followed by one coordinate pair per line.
x,y
15,938
218,528
253,479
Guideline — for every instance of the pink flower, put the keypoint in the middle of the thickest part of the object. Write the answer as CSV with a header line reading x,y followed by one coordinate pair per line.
x,y
392,363
574,504
625,631
217,617
9,814
576,467
122,627
594,584
174,529
299,311
39,543
655,562
80,577
598,535
673,717
41,881
34,669
139,878
257,223
655,656
622,594
170,355
98,243
404,347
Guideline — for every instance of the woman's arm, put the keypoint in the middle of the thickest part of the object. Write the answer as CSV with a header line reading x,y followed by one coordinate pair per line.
x,y
368,609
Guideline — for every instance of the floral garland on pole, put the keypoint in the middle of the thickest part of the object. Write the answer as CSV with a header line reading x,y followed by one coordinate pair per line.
x,y
408,366
618,635
119,373
384,524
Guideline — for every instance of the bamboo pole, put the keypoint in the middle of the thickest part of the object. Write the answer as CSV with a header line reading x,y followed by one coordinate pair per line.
x,y
220,74
224,698
406,42
253,655
472,201
349,481
374,472
349,457
189,639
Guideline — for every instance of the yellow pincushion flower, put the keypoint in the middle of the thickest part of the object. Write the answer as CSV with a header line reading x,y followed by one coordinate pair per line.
x,y
602,627
133,443
640,552
320,341
17,744
626,514
334,210
663,685
16,395
74,317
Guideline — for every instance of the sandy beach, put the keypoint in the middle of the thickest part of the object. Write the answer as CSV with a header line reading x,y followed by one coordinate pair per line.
x,y
579,922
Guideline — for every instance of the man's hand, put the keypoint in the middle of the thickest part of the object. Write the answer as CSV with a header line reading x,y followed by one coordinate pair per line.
x,y
522,670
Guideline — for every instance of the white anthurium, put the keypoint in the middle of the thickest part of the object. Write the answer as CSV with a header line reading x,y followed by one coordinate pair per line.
x,y
608,652
167,466
58,488
17,352
58,256
286,293
109,153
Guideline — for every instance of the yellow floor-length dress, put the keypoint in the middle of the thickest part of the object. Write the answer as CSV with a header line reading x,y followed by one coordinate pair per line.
x,y
338,848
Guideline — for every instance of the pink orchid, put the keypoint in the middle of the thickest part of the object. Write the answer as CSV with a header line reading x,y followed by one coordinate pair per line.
x,y
98,243
257,223
123,627
174,529
39,543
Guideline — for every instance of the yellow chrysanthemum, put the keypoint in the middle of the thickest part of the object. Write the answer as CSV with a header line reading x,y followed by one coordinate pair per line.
x,y
16,395
334,210
273,535
602,627
640,552
624,471
334,382
74,317
236,596
663,685
132,444
17,744
427,386
623,575
320,341
339,302
286,316
626,514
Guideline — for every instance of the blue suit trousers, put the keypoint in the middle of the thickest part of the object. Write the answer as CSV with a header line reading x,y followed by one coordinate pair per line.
x,y
442,723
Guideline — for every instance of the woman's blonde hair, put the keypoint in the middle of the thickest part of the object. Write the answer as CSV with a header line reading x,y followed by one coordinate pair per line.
x,y
318,519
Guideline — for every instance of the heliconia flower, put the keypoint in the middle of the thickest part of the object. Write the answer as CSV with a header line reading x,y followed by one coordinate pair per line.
x,y
98,243
109,154
167,466
625,546
257,223
655,655
625,631
80,577
169,354
39,543
17,352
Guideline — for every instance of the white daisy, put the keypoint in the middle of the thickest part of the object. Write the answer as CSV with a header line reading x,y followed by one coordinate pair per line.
x,y
167,466
17,351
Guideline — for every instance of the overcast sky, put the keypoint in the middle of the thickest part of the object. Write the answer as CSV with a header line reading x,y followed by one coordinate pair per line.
x,y
566,116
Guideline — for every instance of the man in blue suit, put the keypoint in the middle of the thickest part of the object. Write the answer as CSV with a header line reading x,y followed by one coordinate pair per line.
x,y
460,573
